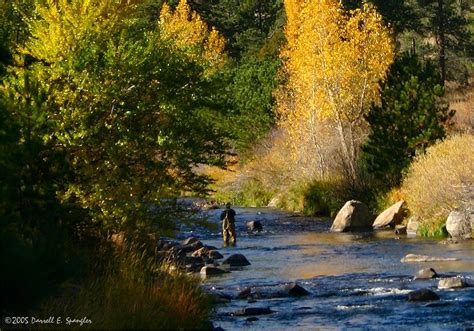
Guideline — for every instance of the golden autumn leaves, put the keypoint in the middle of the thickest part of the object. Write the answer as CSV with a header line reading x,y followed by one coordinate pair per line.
x,y
333,62
186,31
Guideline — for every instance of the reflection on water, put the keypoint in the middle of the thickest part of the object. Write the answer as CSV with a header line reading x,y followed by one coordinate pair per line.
x,y
355,280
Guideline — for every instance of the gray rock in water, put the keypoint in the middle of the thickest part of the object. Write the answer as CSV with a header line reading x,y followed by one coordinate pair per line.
x,y
354,215
294,290
254,226
460,224
236,260
452,282
426,273
192,247
422,295
252,312
215,255
212,271
244,294
412,227
190,240
425,258
390,217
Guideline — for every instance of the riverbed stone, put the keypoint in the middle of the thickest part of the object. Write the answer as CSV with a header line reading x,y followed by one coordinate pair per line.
x,y
244,294
452,282
215,255
400,230
189,248
426,273
353,216
212,271
295,290
254,226
422,295
253,311
190,240
236,260
412,226
459,224
425,258
391,216
200,252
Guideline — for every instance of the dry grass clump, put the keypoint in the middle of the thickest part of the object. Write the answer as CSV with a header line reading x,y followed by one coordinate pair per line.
x,y
134,292
441,180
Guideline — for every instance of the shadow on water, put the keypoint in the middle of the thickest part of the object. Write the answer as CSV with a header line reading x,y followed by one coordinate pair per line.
x,y
355,280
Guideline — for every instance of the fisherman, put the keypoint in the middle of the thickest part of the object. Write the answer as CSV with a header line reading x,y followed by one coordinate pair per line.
x,y
228,226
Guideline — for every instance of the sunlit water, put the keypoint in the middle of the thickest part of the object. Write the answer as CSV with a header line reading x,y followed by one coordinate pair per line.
x,y
355,280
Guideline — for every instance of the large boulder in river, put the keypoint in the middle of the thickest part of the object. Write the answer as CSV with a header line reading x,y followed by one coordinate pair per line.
x,y
390,217
460,224
236,260
422,295
354,215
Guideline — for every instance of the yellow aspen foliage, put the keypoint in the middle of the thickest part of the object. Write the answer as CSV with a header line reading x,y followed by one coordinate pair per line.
x,y
185,30
333,62
65,23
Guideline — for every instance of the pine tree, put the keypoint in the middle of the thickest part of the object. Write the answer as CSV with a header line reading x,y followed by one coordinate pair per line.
x,y
409,119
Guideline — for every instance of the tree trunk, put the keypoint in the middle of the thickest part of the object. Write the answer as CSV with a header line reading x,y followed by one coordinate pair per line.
x,y
441,40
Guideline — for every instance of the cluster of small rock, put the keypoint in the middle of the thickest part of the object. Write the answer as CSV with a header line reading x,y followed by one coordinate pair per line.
x,y
193,256
444,283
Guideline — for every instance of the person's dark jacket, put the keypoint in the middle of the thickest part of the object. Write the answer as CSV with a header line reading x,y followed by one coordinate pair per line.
x,y
231,215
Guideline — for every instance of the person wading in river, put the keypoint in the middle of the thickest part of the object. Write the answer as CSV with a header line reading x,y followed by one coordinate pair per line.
x,y
228,226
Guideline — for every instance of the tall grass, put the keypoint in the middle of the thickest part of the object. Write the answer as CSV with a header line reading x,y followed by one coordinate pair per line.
x,y
134,292
440,181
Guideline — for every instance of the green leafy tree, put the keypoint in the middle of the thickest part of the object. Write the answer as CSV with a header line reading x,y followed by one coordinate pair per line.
x,y
134,114
409,119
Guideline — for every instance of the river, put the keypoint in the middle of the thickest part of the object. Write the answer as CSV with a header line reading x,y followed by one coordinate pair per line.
x,y
355,280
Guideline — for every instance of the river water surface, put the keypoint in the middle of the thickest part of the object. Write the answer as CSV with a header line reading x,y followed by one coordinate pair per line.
x,y
356,280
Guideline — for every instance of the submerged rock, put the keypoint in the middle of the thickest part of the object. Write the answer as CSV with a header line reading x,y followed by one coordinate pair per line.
x,y
254,226
236,260
252,312
390,217
425,258
460,224
294,290
422,295
212,271
426,273
244,294
452,282
354,215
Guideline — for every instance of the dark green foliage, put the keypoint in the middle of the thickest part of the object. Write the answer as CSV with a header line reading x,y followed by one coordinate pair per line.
x,y
449,22
409,119
246,24
252,91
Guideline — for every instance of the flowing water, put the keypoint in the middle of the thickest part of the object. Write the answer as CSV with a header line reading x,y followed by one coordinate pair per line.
x,y
355,280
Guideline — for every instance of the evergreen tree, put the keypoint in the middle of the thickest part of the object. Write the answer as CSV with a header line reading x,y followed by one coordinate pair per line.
x,y
409,119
